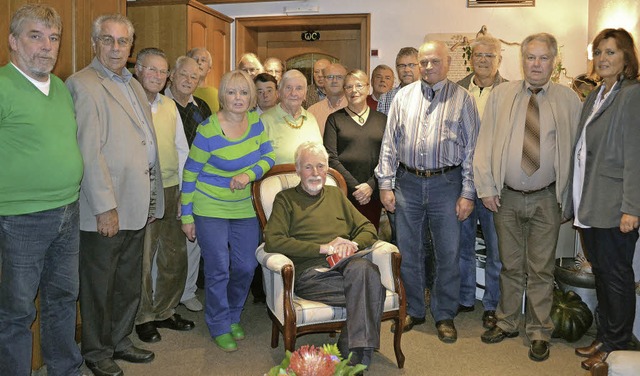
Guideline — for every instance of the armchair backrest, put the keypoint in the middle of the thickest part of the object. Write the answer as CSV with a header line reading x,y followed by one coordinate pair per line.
x,y
279,178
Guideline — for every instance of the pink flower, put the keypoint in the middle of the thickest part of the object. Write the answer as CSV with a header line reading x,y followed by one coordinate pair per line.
x,y
311,361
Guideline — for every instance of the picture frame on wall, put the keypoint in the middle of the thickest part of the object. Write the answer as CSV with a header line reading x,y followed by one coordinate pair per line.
x,y
500,3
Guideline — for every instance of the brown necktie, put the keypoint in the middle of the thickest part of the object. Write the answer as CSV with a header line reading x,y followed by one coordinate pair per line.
x,y
531,145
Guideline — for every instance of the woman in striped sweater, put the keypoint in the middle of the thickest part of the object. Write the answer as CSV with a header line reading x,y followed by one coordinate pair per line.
x,y
231,149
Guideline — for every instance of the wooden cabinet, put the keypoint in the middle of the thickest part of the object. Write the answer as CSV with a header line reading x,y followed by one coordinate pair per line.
x,y
77,17
177,26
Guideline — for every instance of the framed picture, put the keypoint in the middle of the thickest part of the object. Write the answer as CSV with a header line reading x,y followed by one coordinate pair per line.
x,y
500,3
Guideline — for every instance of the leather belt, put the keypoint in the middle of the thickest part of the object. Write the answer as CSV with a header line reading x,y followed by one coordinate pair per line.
x,y
531,191
428,173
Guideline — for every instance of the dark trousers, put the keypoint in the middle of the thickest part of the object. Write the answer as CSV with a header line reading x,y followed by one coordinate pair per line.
x,y
354,284
611,255
110,277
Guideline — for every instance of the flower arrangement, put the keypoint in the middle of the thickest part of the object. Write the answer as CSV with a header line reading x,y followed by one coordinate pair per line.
x,y
316,361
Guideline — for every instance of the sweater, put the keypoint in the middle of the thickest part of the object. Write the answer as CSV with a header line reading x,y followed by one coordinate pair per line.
x,y
39,154
210,95
214,160
300,223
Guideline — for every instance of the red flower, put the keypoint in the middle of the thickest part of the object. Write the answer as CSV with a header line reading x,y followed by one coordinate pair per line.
x,y
311,361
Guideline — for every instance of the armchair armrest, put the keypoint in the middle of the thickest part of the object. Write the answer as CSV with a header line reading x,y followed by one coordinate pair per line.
x,y
382,255
278,277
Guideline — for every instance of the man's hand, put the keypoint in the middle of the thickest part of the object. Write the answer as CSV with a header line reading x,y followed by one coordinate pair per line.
x,y
338,244
345,250
107,223
388,199
189,230
239,181
464,207
492,203
628,223
363,193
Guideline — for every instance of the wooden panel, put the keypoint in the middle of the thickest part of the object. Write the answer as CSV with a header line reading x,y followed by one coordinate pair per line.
x,y
220,50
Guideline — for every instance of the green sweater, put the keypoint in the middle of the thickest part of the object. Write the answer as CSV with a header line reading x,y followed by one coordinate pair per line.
x,y
41,164
300,223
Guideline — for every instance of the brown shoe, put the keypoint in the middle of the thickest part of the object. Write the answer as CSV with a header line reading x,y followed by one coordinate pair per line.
x,y
588,351
489,319
447,332
597,357
409,323
496,334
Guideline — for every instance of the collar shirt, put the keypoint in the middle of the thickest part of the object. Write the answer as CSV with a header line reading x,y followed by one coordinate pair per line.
x,y
323,109
427,134
167,93
515,177
384,102
480,95
123,82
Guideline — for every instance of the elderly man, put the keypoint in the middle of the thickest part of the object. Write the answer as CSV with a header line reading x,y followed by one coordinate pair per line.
x,y
315,90
267,90
274,67
40,180
310,222
433,176
334,88
381,82
121,192
193,111
521,173
164,240
250,64
208,93
408,72
485,60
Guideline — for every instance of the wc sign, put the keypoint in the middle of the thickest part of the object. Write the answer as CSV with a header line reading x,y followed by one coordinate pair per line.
x,y
310,36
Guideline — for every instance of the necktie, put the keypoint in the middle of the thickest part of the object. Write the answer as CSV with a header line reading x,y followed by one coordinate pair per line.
x,y
531,145
428,92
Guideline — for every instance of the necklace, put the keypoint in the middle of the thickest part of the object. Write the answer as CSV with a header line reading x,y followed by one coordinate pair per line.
x,y
294,125
361,115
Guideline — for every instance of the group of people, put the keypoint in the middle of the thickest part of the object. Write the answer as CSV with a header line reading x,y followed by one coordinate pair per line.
x,y
132,168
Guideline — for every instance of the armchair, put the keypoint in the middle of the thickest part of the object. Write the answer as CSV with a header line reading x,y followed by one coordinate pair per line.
x,y
293,316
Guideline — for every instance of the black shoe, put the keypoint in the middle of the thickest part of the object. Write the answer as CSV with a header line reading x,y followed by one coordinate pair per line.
x,y
134,355
105,367
147,332
496,335
447,332
176,322
409,323
489,319
539,350
463,308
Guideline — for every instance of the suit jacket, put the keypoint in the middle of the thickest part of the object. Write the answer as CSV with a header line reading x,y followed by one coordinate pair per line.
x,y
113,146
490,158
612,172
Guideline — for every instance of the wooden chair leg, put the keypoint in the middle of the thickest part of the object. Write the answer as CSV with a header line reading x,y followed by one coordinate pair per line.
x,y
397,344
275,334
289,340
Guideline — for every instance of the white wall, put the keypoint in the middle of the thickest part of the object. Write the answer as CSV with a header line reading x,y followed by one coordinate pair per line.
x,y
399,23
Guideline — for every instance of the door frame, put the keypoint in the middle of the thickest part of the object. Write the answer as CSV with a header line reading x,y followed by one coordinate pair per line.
x,y
247,29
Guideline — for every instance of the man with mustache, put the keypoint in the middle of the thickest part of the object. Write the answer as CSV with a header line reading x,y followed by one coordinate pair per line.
x,y
485,60
381,82
164,240
408,72
39,184
310,222
121,192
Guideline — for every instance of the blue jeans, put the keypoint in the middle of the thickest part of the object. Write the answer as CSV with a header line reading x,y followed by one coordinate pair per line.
x,y
429,204
468,259
39,250
228,250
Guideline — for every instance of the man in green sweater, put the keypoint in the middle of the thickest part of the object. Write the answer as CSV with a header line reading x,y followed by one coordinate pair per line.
x,y
309,223
39,185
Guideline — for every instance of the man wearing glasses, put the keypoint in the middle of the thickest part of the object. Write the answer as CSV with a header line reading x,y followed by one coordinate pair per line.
x,y
120,193
485,60
164,240
427,149
408,72
335,99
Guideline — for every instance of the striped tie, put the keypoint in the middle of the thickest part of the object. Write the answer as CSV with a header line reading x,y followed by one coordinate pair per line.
x,y
531,145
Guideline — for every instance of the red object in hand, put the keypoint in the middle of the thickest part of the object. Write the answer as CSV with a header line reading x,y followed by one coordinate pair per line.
x,y
333,259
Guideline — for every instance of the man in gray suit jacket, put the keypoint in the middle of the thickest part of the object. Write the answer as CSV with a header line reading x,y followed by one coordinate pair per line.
x,y
120,193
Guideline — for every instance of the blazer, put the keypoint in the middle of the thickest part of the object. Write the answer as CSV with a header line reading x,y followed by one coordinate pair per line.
x,y
490,158
113,146
612,169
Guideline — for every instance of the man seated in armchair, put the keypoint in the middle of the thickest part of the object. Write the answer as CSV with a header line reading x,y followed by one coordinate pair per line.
x,y
312,221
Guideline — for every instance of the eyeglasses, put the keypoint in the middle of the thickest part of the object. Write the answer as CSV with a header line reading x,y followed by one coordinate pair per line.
x,y
486,55
404,66
434,62
249,70
332,77
357,87
154,70
186,76
109,41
